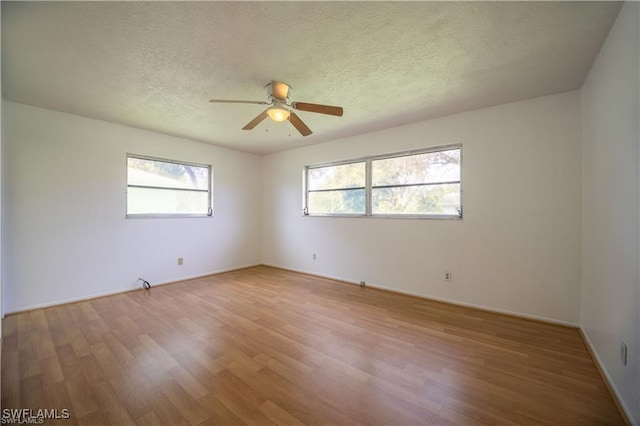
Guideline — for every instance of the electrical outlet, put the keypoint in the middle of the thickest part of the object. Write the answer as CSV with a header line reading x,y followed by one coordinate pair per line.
x,y
623,353
180,261
314,256
447,276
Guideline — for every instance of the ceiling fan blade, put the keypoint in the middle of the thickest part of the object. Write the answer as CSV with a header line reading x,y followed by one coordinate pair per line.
x,y
227,101
253,123
321,109
299,125
279,90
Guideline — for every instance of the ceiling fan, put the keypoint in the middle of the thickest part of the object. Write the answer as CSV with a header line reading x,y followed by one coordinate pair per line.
x,y
280,107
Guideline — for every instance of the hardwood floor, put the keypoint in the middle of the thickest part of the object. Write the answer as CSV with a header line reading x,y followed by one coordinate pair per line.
x,y
266,346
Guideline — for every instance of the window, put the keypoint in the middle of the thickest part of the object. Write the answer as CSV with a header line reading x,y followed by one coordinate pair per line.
x,y
423,184
167,188
336,189
417,184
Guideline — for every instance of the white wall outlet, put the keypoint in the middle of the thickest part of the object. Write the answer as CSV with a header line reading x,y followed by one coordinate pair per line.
x,y
314,256
447,276
180,261
623,353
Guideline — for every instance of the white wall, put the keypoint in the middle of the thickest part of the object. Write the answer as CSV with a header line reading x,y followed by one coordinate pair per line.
x,y
65,189
518,247
610,253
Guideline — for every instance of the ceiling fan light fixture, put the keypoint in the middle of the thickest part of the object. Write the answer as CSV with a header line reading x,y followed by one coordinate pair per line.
x,y
278,114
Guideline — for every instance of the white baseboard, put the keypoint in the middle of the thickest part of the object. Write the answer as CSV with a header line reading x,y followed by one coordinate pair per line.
x,y
125,290
607,377
434,298
220,271
481,307
315,274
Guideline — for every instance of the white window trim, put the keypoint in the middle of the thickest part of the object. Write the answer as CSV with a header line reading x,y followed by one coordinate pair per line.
x,y
368,185
168,215
305,192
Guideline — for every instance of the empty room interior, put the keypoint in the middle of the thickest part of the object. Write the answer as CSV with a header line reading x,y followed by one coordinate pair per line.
x,y
318,212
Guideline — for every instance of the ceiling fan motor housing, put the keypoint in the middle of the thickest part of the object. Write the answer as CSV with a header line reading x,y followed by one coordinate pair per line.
x,y
273,97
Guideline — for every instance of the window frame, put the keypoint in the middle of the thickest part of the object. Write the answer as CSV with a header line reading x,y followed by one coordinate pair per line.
x,y
369,187
305,191
209,190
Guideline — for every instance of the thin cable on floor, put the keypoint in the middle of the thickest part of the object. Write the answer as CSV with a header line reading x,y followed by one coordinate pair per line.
x,y
145,284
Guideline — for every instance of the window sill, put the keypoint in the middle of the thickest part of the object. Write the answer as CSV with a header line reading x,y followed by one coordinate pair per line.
x,y
397,216
166,216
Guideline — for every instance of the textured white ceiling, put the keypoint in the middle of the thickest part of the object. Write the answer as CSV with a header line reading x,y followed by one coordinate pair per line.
x,y
155,65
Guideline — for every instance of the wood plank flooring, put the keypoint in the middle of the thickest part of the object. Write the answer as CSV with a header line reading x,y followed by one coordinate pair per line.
x,y
267,346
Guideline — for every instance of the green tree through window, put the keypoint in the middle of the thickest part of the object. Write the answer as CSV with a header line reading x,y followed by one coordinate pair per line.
x,y
338,189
